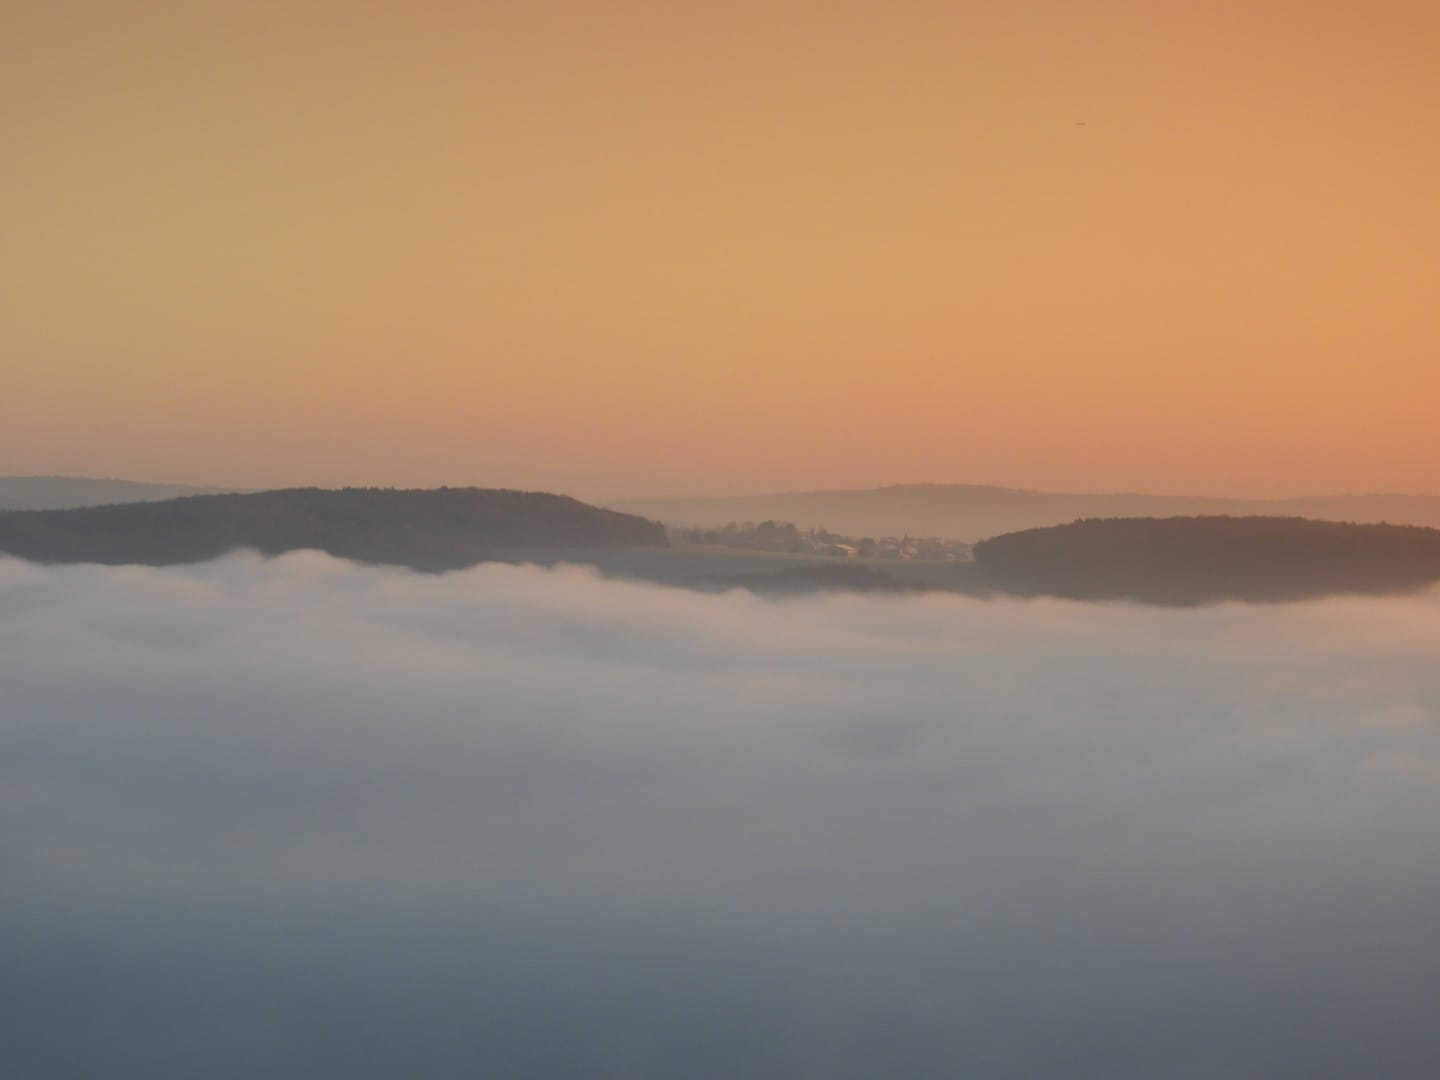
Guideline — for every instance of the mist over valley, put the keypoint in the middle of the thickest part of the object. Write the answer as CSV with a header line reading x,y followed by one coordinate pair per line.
x,y
297,816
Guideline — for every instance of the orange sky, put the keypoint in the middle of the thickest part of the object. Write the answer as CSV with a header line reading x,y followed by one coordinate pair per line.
x,y
641,248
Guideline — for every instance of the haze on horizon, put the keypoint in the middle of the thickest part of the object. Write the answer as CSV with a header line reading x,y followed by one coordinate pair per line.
x,y
646,249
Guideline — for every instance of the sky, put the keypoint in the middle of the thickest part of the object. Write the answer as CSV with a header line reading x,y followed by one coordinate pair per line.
x,y
642,249
297,818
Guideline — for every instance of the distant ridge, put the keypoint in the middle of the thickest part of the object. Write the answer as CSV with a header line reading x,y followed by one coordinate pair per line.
x,y
70,492
443,529
972,512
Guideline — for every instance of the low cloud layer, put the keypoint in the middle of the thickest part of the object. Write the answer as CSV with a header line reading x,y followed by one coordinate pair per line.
x,y
296,818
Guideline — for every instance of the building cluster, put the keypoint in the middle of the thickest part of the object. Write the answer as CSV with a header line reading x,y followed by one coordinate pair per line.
x,y
784,537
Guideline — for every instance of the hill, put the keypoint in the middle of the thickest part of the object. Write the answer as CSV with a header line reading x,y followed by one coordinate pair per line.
x,y
69,492
428,530
971,512
1191,560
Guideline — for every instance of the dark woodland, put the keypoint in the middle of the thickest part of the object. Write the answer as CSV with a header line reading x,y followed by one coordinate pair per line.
x,y
443,529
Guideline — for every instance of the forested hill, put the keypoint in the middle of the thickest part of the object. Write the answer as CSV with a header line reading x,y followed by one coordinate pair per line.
x,y
428,530
1189,560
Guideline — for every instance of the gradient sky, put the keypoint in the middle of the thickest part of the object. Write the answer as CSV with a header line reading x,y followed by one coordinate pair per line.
x,y
641,248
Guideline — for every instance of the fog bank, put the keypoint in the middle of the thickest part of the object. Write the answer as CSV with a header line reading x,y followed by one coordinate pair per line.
x,y
298,818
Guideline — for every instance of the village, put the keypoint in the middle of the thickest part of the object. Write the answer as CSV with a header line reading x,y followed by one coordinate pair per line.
x,y
785,537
